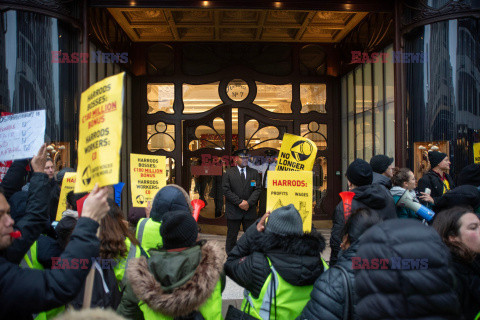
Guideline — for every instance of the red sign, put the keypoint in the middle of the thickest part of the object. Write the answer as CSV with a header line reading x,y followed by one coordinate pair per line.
x,y
4,168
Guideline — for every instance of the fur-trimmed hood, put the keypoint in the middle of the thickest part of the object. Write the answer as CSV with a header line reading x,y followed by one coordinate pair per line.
x,y
186,285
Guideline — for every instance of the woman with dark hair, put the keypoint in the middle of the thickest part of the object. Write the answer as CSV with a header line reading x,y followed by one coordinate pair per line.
x,y
117,241
117,247
328,297
403,180
459,229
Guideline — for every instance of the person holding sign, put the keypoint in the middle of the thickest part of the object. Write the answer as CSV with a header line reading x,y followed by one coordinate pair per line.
x,y
24,291
241,188
278,249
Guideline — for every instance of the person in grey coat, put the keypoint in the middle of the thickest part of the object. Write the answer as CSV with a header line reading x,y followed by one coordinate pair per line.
x,y
382,167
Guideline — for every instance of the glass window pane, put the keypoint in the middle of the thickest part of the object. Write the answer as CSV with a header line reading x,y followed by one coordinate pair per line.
x,y
313,97
351,123
344,94
161,137
359,112
160,97
92,73
367,99
389,105
274,98
319,185
260,138
237,90
200,97
378,107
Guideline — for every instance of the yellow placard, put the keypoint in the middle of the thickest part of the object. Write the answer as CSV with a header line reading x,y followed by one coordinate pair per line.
x,y
476,152
68,184
147,176
292,187
100,134
296,154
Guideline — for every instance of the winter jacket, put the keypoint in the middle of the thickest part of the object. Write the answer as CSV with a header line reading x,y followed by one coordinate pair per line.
x,y
462,195
174,283
468,286
329,292
24,291
296,259
382,180
404,212
372,196
432,181
34,221
416,283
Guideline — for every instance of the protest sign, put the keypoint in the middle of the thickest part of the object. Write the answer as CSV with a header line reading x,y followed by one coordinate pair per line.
x,y
147,176
294,187
100,134
476,152
4,166
296,154
68,184
21,135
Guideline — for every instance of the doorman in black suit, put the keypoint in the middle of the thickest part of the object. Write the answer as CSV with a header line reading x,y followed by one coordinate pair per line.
x,y
241,188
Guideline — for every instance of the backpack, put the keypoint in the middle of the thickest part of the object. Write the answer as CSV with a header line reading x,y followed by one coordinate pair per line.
x,y
106,292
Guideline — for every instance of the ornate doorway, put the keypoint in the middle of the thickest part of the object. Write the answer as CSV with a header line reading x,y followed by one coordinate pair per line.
x,y
197,117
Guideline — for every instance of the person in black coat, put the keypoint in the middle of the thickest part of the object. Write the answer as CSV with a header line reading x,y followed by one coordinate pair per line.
x,y
328,297
465,195
437,179
415,282
367,195
25,291
459,229
469,175
294,255
241,188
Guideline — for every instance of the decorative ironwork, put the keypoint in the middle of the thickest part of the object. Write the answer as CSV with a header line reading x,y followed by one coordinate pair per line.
x,y
415,11
105,29
372,34
63,7
317,133
159,137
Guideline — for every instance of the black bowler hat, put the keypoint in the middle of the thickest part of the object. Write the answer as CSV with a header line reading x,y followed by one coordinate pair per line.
x,y
271,153
242,153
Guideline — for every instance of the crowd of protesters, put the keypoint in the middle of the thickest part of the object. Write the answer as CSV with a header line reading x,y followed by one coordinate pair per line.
x,y
387,261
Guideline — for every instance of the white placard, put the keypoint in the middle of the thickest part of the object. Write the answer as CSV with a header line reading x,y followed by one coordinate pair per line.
x,y
21,135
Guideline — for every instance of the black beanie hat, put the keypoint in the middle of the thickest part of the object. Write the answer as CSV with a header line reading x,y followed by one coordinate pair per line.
x,y
435,157
469,175
359,172
380,163
178,230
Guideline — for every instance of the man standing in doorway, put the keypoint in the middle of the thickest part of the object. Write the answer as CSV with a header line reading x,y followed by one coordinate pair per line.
x,y
241,188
